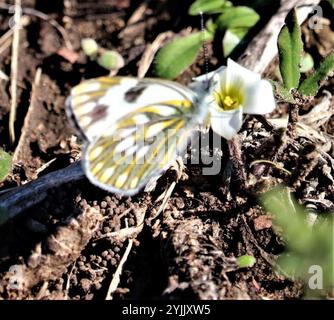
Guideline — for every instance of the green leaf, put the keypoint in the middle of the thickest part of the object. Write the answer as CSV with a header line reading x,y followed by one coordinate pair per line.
x,y
111,60
306,63
310,86
282,92
331,2
246,261
179,54
232,38
5,164
208,6
237,17
290,47
211,27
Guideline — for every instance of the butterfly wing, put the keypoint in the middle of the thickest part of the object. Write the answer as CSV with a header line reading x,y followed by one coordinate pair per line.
x,y
145,125
137,148
97,103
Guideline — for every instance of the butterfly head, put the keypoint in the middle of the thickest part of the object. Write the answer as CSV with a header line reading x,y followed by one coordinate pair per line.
x,y
203,87
206,82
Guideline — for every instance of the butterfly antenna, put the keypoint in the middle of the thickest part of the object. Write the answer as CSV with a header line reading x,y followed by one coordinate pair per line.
x,y
205,48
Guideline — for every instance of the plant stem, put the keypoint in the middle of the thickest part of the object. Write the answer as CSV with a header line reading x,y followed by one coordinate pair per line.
x,y
238,170
290,133
14,69
293,120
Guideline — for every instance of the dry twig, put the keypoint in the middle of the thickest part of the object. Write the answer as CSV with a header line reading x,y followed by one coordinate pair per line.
x,y
149,54
27,119
138,14
45,17
127,232
14,69
117,275
238,167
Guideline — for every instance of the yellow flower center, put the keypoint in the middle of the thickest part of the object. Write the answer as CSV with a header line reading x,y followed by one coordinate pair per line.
x,y
229,103
230,98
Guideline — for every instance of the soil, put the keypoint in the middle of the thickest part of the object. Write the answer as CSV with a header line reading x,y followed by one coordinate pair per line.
x,y
70,245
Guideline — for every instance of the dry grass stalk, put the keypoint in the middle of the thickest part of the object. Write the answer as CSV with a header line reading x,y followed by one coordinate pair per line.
x,y
14,69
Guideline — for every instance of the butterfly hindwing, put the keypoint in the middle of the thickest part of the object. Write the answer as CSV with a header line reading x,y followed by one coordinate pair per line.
x,y
138,147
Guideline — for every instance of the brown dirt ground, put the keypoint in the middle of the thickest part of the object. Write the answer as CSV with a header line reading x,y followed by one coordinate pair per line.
x,y
60,248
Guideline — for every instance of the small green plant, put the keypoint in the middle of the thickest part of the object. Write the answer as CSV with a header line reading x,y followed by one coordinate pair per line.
x,y
233,21
108,59
246,261
5,164
309,248
90,47
309,254
292,57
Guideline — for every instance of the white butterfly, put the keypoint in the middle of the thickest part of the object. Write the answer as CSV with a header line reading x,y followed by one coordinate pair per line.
x,y
135,128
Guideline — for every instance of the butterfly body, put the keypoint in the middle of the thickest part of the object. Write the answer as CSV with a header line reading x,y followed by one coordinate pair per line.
x,y
134,128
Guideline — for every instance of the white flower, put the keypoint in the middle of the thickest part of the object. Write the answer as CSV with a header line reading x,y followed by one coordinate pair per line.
x,y
236,91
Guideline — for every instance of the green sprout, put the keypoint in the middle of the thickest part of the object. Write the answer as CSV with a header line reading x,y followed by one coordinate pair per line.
x,y
108,59
90,47
246,261
309,253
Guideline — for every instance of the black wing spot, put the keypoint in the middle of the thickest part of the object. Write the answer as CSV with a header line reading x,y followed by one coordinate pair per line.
x,y
98,113
134,93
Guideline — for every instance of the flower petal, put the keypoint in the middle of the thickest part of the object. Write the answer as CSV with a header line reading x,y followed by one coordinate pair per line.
x,y
259,98
238,75
207,83
226,123
210,75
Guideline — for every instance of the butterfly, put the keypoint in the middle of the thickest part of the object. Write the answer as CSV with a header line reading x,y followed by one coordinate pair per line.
x,y
134,128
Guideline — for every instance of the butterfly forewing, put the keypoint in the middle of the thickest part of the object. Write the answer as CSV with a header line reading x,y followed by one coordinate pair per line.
x,y
95,104
135,128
